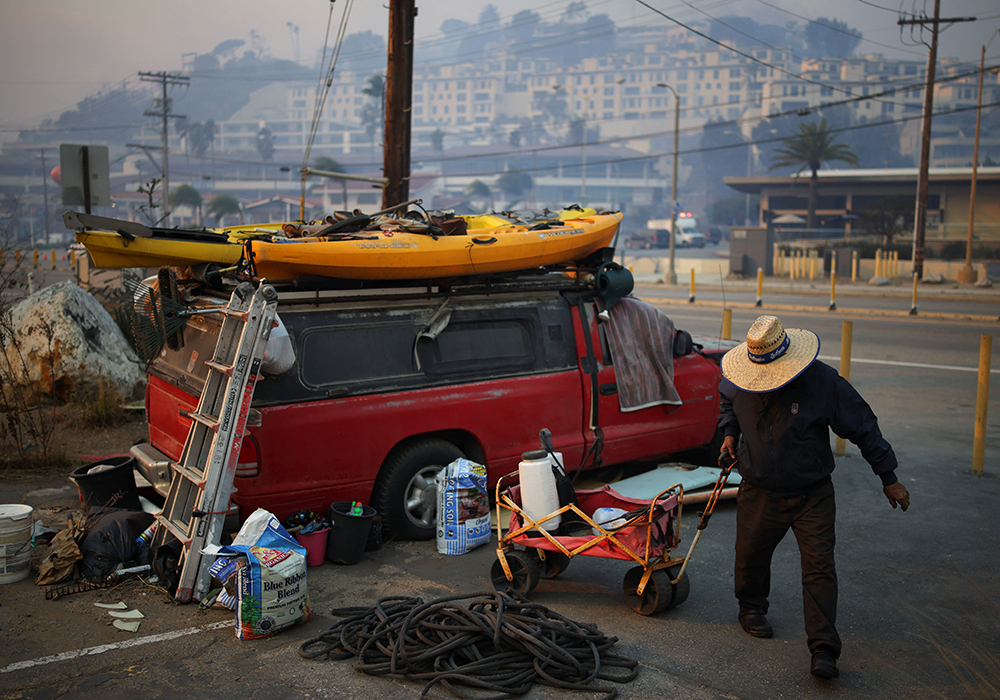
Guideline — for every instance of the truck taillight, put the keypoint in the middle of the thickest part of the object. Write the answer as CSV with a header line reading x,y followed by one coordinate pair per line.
x,y
248,465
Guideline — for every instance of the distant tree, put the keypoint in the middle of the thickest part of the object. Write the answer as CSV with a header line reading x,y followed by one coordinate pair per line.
x,y
887,217
199,136
809,147
375,90
514,184
575,11
489,18
478,189
575,133
373,112
363,52
437,140
831,38
332,166
522,27
265,144
222,205
186,196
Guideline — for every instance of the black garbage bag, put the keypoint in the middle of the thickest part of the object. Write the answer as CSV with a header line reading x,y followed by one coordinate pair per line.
x,y
110,543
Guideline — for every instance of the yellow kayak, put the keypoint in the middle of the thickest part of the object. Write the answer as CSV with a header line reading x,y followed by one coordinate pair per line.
x,y
559,236
109,249
490,245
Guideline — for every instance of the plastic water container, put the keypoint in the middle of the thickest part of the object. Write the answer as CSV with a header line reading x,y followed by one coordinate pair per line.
x,y
608,518
539,496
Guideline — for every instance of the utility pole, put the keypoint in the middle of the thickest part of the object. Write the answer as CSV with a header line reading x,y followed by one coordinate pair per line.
x,y
165,80
398,103
920,223
45,192
968,275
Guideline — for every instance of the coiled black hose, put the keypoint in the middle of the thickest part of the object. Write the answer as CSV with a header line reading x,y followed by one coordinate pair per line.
x,y
498,642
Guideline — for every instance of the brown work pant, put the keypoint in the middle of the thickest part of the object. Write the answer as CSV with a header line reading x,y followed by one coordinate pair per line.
x,y
761,523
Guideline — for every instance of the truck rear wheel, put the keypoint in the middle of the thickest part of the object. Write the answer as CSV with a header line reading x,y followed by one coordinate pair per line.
x,y
405,493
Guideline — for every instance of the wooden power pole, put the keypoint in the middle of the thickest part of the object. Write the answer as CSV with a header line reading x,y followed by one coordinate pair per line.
x,y
165,80
920,224
398,103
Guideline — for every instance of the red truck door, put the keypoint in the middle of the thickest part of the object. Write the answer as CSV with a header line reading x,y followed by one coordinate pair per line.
x,y
657,430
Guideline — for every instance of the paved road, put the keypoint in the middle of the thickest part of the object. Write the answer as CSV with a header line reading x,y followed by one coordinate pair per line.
x,y
919,591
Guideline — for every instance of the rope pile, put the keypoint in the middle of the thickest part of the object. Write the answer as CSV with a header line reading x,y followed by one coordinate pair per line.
x,y
495,643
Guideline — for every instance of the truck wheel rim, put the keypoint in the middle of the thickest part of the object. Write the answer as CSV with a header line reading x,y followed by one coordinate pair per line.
x,y
421,497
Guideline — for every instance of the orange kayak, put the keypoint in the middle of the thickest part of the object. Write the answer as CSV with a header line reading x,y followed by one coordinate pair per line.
x,y
396,254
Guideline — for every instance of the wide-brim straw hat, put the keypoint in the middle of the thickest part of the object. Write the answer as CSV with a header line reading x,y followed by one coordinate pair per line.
x,y
771,357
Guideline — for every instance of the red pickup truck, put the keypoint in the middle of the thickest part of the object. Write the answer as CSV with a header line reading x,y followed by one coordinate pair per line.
x,y
376,402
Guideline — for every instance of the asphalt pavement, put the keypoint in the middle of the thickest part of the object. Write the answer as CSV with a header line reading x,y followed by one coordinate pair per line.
x,y
919,606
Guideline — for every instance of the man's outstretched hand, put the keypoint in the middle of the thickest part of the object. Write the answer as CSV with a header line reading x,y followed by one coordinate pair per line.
x,y
897,493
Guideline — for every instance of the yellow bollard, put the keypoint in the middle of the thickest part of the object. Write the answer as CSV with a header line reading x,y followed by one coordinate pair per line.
x,y
72,258
982,400
776,266
846,334
833,290
36,258
895,263
812,266
727,324
691,298
913,306
854,266
17,256
760,286
878,263
53,259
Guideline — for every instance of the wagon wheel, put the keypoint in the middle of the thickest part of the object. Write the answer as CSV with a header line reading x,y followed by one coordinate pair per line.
x,y
555,563
659,593
681,588
524,569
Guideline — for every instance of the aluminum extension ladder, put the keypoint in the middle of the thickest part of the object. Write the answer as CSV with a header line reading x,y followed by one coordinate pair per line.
x,y
202,481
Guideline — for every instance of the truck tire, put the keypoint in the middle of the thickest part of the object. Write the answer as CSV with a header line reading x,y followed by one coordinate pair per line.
x,y
405,493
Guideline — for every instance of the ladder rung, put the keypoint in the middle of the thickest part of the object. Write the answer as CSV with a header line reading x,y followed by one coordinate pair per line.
x,y
236,313
195,477
219,367
208,421
175,529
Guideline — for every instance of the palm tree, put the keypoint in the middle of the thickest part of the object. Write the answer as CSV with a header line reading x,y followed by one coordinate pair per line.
x,y
514,184
809,147
223,205
478,189
332,166
186,196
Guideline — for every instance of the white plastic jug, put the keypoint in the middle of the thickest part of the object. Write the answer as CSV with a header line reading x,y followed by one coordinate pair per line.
x,y
608,518
539,496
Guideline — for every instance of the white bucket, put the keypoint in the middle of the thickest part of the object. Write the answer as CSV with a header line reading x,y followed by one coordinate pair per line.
x,y
15,541
539,496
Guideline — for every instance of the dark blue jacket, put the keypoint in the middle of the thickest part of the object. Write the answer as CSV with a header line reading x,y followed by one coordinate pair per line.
x,y
786,433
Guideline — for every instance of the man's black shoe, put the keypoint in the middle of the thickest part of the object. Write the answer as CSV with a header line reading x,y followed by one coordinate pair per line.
x,y
824,665
756,625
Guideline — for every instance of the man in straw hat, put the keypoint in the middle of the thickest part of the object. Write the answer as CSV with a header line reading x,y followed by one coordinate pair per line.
x,y
783,402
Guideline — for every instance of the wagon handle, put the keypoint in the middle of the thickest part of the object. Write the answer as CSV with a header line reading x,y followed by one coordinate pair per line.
x,y
707,514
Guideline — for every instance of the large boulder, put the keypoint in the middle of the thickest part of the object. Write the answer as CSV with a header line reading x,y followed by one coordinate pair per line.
x,y
65,342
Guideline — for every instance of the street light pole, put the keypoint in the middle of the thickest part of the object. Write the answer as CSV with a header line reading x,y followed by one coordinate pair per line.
x,y
672,273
